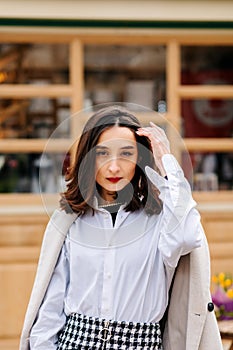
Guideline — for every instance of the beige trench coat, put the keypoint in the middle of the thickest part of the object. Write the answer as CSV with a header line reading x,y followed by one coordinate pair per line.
x,y
189,326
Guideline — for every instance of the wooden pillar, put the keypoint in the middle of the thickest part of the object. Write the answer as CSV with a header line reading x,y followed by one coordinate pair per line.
x,y
173,71
77,86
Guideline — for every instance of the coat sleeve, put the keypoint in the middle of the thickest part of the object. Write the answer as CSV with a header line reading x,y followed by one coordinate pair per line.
x,y
51,317
54,237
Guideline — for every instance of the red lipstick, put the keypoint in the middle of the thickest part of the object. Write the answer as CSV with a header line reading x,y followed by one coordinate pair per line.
x,y
114,179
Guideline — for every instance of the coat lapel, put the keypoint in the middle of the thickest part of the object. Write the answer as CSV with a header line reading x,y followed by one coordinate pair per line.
x,y
188,302
198,295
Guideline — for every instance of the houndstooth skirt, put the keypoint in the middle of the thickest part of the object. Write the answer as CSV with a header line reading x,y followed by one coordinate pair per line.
x,y
84,333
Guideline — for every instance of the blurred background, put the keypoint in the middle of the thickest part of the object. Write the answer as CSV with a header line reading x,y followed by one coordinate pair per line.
x,y
58,60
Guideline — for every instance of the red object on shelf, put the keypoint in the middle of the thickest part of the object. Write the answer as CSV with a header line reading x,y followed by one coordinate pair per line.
x,y
208,117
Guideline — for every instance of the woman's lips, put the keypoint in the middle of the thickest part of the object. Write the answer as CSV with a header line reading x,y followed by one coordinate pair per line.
x,y
114,179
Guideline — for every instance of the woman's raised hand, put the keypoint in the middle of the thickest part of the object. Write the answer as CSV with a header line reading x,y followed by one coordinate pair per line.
x,y
159,143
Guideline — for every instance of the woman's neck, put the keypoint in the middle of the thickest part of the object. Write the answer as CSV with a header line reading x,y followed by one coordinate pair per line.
x,y
106,197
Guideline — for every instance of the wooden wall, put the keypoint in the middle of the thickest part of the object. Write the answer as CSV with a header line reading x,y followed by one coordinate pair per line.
x,y
20,241
219,231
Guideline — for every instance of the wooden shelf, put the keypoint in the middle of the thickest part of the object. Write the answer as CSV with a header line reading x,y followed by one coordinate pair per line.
x,y
205,91
27,91
35,145
209,145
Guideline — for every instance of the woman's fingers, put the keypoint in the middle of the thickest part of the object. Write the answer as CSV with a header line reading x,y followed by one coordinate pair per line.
x,y
159,143
157,128
156,135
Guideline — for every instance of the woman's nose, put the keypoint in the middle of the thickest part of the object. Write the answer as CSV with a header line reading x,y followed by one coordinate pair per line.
x,y
114,165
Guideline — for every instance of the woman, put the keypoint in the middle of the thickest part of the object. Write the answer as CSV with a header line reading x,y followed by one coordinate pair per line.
x,y
109,255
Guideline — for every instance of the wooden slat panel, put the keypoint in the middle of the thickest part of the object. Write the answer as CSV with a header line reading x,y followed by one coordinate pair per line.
x,y
221,265
219,231
25,199
213,197
34,145
14,255
17,280
222,251
209,145
117,36
26,235
22,91
206,91
9,344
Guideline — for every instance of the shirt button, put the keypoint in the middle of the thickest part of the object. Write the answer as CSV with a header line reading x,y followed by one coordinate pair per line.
x,y
109,275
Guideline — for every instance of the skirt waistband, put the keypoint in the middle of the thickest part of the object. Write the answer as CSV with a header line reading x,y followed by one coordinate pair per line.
x,y
84,333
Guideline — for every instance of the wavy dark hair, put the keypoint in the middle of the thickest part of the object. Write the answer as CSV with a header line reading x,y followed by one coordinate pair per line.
x,y
81,183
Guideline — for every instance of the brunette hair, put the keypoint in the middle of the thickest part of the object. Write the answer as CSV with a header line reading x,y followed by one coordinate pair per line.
x,y
81,183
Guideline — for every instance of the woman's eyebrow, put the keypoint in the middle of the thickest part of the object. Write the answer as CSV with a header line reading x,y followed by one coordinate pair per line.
x,y
128,147
123,147
102,147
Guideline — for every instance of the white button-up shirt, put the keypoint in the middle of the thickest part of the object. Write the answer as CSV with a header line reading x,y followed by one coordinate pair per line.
x,y
121,272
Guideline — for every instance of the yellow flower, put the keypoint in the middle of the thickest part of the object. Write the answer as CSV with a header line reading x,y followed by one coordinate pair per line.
x,y
222,284
215,279
228,282
229,293
221,277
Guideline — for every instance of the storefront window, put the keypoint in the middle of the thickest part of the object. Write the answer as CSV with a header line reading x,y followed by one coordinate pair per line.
x,y
210,171
207,118
34,117
34,64
33,172
209,65
133,74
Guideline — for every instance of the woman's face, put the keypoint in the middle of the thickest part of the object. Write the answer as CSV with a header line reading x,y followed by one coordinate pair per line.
x,y
116,158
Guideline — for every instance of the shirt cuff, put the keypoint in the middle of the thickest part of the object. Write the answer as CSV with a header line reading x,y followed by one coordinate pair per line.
x,y
170,164
172,168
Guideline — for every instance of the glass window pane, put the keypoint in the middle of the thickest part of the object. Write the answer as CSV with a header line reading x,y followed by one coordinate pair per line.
x,y
212,171
34,118
210,65
34,64
117,73
35,173
207,118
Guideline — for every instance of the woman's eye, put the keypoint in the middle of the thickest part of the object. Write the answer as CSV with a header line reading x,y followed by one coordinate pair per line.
x,y
126,154
101,153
